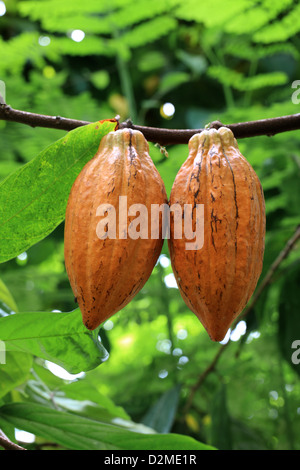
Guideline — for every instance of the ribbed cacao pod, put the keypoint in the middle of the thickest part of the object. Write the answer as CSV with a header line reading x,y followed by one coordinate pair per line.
x,y
106,266
217,280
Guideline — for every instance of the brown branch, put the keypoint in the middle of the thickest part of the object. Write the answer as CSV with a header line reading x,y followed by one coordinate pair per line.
x,y
161,136
265,282
273,268
7,444
240,130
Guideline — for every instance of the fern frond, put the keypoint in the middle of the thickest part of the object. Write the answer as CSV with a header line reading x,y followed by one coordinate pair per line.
x,y
95,17
91,45
248,21
139,11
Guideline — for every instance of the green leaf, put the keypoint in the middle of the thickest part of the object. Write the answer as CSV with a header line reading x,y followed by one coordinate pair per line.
x,y
104,411
149,31
245,50
100,79
54,336
152,60
6,298
291,184
173,80
11,59
91,45
33,199
280,30
212,14
196,63
80,433
86,391
161,415
238,81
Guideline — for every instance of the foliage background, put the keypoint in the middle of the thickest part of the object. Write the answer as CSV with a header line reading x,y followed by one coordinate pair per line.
x,y
233,61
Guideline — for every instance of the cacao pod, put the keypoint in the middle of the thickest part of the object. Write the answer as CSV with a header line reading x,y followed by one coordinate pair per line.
x,y
107,267
217,280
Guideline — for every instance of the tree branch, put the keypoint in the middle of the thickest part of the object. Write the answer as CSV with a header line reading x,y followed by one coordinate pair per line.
x,y
273,268
241,130
265,282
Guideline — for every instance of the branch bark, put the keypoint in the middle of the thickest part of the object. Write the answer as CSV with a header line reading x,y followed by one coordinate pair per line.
x,y
161,136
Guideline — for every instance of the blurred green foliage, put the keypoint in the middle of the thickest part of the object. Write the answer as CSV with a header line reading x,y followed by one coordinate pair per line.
x,y
228,60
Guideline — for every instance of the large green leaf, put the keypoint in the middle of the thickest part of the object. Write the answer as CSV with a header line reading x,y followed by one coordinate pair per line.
x,y
58,337
80,433
33,199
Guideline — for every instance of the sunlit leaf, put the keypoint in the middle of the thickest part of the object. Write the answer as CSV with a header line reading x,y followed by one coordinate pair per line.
x,y
242,83
221,423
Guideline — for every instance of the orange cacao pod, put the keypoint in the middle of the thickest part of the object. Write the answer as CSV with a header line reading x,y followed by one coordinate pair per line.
x,y
217,280
107,268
